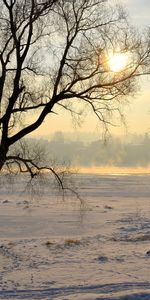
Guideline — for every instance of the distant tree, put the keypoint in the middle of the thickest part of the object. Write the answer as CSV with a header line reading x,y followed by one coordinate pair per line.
x,y
55,53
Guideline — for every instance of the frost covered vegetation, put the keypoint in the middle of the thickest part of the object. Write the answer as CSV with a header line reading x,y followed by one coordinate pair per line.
x,y
51,249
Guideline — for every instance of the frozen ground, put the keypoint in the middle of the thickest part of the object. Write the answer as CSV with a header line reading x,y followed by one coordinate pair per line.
x,y
50,249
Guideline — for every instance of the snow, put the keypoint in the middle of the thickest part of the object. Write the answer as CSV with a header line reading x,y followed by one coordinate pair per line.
x,y
55,249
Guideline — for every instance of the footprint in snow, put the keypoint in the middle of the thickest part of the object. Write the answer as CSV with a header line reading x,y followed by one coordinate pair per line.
x,y
148,253
102,258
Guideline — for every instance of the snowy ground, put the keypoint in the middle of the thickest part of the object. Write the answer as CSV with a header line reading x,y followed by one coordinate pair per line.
x,y
50,249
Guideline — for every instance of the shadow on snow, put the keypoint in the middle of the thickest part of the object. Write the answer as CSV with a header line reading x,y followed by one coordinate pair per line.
x,y
127,291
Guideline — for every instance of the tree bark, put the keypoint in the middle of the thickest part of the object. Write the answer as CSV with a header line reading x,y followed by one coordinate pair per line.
x,y
3,153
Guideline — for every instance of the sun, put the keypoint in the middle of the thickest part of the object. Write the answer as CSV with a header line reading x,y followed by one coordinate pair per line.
x,y
118,62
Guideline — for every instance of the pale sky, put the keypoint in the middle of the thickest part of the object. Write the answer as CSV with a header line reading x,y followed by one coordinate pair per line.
x,y
139,11
137,112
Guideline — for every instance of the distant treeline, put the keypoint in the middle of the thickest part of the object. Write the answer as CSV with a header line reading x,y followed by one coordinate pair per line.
x,y
132,151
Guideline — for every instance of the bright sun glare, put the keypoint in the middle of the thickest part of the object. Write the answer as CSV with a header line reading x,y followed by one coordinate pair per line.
x,y
118,62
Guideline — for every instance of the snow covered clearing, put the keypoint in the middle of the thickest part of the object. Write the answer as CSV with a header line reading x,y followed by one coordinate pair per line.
x,y
54,249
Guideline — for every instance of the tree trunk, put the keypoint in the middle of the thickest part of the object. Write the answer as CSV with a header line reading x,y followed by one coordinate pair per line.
x,y
3,152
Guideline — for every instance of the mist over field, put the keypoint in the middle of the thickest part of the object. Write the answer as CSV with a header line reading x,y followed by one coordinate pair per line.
x,y
131,151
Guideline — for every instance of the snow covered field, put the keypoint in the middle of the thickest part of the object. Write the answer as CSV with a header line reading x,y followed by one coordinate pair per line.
x,y
50,249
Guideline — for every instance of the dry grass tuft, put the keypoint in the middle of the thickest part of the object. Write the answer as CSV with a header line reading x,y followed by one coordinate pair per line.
x,y
71,242
48,243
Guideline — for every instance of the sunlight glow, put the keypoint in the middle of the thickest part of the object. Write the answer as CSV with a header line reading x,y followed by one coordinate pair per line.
x,y
118,62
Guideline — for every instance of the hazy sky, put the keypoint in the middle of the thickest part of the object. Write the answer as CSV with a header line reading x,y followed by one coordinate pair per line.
x,y
138,111
139,11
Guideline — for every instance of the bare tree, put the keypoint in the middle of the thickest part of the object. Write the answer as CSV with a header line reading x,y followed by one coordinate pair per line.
x,y
55,53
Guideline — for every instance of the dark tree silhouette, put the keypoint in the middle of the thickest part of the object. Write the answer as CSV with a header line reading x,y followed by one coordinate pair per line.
x,y
55,53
